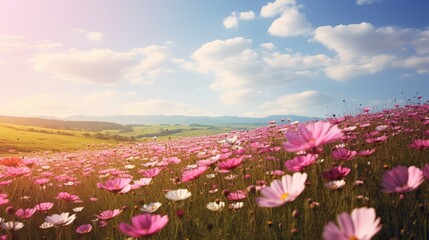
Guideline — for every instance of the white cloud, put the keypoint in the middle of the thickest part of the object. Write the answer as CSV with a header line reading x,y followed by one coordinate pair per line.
x,y
362,66
46,45
140,65
355,40
363,2
240,70
90,35
297,103
162,107
421,64
291,24
274,8
232,20
10,43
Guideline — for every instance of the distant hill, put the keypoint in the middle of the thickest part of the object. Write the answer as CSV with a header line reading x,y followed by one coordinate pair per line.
x,y
180,119
94,126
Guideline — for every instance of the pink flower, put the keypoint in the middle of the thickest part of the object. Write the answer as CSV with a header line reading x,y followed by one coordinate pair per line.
x,y
193,173
402,179
362,224
230,163
312,136
143,225
377,139
343,154
109,214
44,206
150,173
236,196
281,191
299,163
82,229
365,153
117,185
419,144
25,213
336,173
17,171
68,197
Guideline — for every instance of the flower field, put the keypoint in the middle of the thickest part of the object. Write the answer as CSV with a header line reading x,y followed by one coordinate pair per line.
x,y
355,177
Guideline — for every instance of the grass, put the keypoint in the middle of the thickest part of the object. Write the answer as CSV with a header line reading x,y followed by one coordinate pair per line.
x,y
79,172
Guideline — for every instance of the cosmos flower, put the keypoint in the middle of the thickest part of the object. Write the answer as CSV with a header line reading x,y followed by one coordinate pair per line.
x,y
150,173
419,144
281,191
193,173
143,225
401,179
18,171
109,214
44,206
343,154
117,185
215,206
425,171
151,207
336,184
12,226
336,173
178,195
82,229
362,224
25,213
60,220
299,163
311,136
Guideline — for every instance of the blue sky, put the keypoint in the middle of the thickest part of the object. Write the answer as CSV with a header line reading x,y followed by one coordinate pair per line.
x,y
203,57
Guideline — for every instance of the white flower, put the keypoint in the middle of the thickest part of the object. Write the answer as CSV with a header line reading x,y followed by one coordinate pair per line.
x,y
191,166
178,195
235,205
45,225
211,175
62,219
231,177
215,207
129,166
335,184
77,209
143,182
12,226
151,207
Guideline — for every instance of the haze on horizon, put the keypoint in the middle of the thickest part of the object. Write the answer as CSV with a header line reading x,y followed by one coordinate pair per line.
x,y
211,58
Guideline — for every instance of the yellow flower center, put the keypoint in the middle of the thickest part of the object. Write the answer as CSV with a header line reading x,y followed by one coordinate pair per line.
x,y
353,238
284,196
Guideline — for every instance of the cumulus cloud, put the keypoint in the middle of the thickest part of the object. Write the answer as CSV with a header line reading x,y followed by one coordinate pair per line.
x,y
365,49
232,20
162,107
296,103
139,65
241,70
291,22
90,35
363,2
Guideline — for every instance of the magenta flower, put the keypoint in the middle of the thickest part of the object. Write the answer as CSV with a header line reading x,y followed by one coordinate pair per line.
x,y
343,154
25,213
236,196
281,191
109,214
150,173
401,179
426,171
336,173
144,225
419,144
68,197
230,163
117,185
312,136
82,229
362,224
365,153
299,163
193,173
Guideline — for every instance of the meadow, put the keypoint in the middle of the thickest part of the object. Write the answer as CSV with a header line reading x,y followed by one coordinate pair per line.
x,y
281,181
